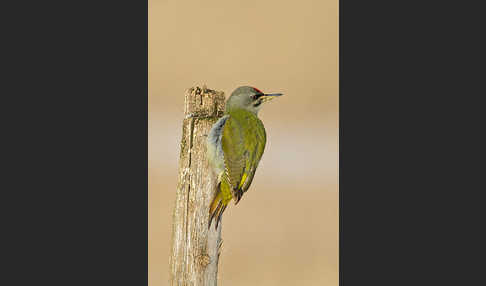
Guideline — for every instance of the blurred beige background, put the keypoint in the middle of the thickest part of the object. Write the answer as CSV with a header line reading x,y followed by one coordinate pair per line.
x,y
285,229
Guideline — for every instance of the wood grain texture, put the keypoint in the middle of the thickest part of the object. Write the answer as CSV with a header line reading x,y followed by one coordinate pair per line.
x,y
195,248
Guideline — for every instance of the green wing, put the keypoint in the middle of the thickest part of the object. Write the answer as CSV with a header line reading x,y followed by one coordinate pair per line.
x,y
243,143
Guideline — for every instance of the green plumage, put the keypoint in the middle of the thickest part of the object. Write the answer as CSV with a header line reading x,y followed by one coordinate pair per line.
x,y
243,141
235,146
243,144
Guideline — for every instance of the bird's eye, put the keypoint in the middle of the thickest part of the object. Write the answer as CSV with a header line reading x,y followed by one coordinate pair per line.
x,y
256,96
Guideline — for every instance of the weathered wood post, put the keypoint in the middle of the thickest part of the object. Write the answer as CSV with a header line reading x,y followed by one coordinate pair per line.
x,y
195,249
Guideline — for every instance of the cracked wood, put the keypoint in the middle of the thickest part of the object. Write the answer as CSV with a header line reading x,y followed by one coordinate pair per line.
x,y
195,249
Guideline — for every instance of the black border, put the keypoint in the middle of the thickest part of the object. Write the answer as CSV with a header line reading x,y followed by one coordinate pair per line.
x,y
77,150
408,131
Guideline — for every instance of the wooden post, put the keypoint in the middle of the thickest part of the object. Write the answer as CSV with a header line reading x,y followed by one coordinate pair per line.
x,y
195,249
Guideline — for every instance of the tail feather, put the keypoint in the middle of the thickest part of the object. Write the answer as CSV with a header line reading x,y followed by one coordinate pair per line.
x,y
213,210
217,208
220,215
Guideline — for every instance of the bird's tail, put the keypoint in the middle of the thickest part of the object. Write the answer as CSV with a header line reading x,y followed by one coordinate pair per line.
x,y
217,206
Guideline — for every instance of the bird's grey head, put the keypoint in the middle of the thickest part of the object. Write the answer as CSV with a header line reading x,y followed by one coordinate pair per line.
x,y
249,98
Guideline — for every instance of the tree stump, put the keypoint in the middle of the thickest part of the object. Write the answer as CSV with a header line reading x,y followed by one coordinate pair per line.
x,y
195,248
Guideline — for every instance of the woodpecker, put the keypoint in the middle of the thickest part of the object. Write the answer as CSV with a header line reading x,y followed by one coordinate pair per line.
x,y
235,145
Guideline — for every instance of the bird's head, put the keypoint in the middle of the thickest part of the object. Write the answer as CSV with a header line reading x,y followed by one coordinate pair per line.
x,y
249,98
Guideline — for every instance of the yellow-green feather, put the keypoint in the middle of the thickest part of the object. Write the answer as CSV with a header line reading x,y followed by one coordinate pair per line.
x,y
243,142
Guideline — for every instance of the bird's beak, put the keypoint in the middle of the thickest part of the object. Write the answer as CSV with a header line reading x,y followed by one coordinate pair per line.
x,y
269,96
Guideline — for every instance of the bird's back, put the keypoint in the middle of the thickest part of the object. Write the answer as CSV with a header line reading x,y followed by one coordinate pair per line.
x,y
243,142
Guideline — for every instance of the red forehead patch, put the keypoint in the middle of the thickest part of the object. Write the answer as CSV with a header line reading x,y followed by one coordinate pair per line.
x,y
257,90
